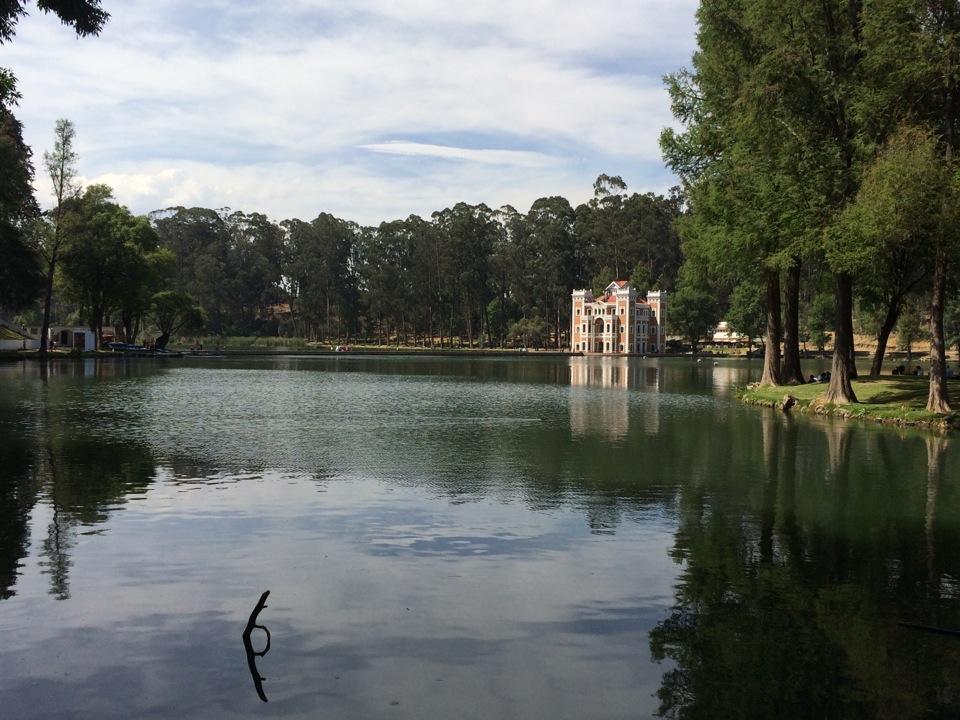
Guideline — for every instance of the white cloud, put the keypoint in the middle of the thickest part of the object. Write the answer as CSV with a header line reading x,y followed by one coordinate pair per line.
x,y
494,157
558,90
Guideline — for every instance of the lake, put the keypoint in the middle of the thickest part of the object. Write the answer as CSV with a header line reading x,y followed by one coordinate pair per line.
x,y
541,537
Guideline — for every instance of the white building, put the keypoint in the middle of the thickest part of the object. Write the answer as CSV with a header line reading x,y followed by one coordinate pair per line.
x,y
72,338
618,322
723,334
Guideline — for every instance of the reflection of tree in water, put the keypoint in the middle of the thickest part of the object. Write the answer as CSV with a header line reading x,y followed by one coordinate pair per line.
x,y
49,456
83,479
18,494
788,602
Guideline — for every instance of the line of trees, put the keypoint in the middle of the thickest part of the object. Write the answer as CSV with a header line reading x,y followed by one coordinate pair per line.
x,y
467,276
817,154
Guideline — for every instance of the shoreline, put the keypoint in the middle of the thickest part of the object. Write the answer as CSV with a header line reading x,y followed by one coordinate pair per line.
x,y
18,355
884,401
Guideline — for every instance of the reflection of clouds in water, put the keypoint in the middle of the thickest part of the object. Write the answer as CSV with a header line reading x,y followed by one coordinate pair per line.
x,y
607,413
379,594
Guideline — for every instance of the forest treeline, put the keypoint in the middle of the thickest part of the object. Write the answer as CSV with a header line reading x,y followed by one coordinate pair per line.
x,y
468,275
817,152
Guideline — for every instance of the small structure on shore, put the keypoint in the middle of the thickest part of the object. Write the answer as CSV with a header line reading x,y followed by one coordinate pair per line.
x,y
723,334
618,322
72,337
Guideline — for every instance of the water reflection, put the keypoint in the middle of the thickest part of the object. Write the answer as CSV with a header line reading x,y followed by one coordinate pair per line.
x,y
608,413
794,604
504,535
19,489
57,475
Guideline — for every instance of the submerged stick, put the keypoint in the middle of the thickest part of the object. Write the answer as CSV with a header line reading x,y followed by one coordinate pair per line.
x,y
248,645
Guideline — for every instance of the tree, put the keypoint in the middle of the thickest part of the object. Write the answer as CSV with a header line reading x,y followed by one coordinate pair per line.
x,y
746,313
468,234
910,327
60,164
885,234
21,279
918,45
110,261
623,234
692,313
818,320
172,311
640,278
529,332
86,17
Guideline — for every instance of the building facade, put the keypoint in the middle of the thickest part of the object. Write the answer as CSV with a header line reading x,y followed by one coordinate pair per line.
x,y
75,338
618,321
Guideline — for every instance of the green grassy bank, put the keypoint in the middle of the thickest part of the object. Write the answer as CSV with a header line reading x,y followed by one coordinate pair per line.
x,y
892,400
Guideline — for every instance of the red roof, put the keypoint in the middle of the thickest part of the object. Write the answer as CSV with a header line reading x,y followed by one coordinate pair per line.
x,y
621,283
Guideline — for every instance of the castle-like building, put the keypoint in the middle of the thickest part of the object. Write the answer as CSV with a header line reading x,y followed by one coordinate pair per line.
x,y
618,322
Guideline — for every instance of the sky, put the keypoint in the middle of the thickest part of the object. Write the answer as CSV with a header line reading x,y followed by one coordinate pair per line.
x,y
369,109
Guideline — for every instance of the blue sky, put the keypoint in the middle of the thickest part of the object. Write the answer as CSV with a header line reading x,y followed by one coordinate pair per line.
x,y
368,109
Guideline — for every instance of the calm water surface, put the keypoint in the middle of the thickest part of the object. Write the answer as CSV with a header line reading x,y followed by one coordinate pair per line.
x,y
464,538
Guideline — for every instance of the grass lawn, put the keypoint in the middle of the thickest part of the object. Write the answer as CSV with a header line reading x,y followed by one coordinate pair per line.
x,y
900,400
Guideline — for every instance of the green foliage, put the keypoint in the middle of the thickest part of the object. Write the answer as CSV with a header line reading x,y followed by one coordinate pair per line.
x,y
21,278
911,327
173,311
747,312
601,279
817,320
641,280
693,312
620,233
884,234
461,277
529,332
231,263
86,17
111,262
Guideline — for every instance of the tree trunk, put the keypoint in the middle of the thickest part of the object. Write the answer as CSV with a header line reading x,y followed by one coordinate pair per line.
x,y
841,390
47,299
792,374
889,323
559,326
773,335
938,400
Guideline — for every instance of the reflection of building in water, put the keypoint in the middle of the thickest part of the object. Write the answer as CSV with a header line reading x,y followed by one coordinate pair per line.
x,y
728,377
607,413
